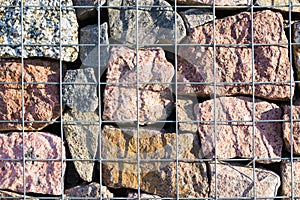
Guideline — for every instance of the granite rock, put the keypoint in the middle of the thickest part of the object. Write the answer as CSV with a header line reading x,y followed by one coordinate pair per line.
x,y
40,26
234,129
185,110
296,49
217,2
41,101
157,177
90,190
233,63
155,24
80,90
286,178
40,177
81,130
120,96
235,181
86,13
89,54
134,195
281,5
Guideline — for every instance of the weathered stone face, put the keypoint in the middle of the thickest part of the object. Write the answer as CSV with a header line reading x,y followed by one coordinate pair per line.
x,y
41,177
217,2
282,5
185,110
159,176
81,130
196,17
41,101
286,178
233,63
90,190
143,196
234,129
296,49
86,13
234,181
155,24
120,96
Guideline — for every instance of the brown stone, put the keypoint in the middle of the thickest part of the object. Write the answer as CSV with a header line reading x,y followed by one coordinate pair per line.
x,y
41,101
40,176
142,196
120,97
296,49
157,175
235,181
91,190
282,5
217,2
234,63
234,129
286,178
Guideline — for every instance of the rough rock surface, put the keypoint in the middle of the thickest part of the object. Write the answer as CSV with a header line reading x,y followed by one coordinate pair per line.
x,y
296,48
41,177
155,24
89,54
81,130
40,26
156,177
196,17
41,101
82,97
142,196
282,5
120,97
234,131
286,178
234,63
217,2
185,110
85,13
90,190
286,127
234,181
4,194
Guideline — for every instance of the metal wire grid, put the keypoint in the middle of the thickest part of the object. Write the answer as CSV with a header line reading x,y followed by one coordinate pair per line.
x,y
175,84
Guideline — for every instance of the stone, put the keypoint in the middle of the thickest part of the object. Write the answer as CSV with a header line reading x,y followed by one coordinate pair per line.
x,y
286,127
40,176
4,194
296,49
281,5
41,26
132,195
41,100
91,190
82,97
217,2
120,96
185,110
86,13
234,129
233,63
155,23
81,130
286,178
89,54
157,171
196,17
235,181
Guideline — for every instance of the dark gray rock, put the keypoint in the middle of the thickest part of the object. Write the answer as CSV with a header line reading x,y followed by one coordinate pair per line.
x,y
196,17
86,13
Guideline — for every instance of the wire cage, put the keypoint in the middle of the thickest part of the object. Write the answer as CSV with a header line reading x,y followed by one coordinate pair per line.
x,y
149,99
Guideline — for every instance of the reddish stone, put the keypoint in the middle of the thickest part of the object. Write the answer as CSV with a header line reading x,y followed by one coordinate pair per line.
x,y
40,176
234,129
286,178
234,63
41,101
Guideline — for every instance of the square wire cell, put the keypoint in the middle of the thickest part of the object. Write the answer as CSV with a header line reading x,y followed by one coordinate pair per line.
x,y
152,99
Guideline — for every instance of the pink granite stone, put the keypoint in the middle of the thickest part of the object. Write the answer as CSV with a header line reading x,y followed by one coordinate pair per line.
x,y
286,178
91,190
234,63
40,176
234,129
41,101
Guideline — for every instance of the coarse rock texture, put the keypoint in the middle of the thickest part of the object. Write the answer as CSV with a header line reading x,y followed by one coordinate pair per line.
x,y
235,139
81,130
155,24
89,55
142,196
185,110
41,25
120,96
41,101
196,17
4,194
94,190
286,127
282,5
80,90
159,177
286,178
234,181
234,63
296,49
86,13
40,176
217,2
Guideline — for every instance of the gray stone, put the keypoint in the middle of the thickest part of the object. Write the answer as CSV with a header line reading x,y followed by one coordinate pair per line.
x,y
196,17
93,190
86,13
216,2
89,54
81,130
286,178
41,25
155,24
235,181
4,194
282,5
80,90
185,110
